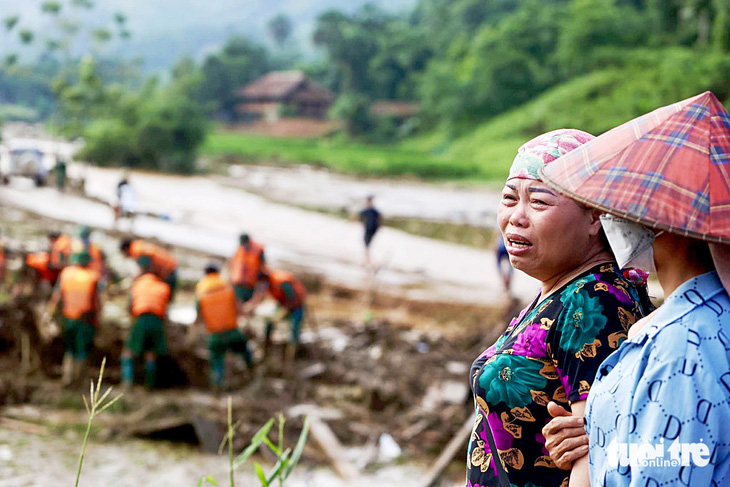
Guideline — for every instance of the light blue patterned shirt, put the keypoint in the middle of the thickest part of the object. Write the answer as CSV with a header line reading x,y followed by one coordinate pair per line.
x,y
658,414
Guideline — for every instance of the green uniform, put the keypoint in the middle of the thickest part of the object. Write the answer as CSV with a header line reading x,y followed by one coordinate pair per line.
x,y
243,293
78,338
147,335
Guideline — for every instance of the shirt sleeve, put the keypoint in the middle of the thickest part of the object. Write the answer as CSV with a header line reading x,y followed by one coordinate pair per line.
x,y
684,409
592,324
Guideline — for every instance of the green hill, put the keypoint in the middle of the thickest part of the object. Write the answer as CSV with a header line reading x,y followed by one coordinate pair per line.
x,y
595,103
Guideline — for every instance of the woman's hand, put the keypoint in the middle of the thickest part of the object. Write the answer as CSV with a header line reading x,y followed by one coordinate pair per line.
x,y
565,437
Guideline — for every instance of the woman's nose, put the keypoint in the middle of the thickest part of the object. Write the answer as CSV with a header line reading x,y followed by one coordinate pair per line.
x,y
518,217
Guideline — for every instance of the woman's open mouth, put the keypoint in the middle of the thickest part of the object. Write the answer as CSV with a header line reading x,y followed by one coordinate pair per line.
x,y
516,244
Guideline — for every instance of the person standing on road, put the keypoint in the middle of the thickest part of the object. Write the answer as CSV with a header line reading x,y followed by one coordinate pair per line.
x,y
150,296
245,266
78,291
371,220
554,347
60,170
215,301
125,206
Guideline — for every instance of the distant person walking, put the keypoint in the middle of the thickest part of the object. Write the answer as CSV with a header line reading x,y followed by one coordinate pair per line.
x,y
371,220
125,206
60,170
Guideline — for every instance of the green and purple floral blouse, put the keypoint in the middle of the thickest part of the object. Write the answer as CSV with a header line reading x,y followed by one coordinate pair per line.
x,y
550,352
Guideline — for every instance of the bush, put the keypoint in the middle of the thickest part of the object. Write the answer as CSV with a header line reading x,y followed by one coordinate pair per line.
x,y
159,129
352,110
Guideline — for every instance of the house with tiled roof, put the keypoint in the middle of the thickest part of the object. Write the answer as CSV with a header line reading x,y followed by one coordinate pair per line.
x,y
278,92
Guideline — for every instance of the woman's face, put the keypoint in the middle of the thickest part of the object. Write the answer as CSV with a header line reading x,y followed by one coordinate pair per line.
x,y
545,234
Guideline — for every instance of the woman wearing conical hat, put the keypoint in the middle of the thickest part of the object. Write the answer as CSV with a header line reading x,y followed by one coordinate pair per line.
x,y
659,411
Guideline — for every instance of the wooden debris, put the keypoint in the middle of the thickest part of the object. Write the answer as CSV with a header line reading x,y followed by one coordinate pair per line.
x,y
457,444
332,448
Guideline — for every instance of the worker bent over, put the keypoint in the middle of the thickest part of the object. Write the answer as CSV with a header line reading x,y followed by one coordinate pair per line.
x,y
78,291
148,306
289,293
245,266
164,263
217,308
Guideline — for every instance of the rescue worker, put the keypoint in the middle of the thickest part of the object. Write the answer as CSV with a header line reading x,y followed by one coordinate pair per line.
x,y
78,291
215,301
164,263
60,252
245,266
83,242
289,292
37,277
150,296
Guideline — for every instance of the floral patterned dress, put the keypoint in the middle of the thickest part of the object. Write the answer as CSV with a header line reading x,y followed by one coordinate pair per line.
x,y
551,351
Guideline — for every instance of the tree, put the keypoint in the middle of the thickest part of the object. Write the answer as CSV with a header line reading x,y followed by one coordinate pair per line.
x,y
239,62
280,29
351,42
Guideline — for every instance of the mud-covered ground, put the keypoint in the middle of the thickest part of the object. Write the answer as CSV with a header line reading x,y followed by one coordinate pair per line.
x,y
394,367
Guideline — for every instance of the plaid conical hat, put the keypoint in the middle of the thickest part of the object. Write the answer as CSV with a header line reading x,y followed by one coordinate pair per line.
x,y
668,169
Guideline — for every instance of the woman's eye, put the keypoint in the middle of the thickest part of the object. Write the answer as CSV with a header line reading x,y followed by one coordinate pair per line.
x,y
508,197
539,202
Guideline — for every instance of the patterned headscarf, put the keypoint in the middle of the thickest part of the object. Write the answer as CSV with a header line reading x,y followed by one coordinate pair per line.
x,y
544,149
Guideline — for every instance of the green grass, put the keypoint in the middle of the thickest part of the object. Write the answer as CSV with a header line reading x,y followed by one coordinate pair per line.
x,y
350,158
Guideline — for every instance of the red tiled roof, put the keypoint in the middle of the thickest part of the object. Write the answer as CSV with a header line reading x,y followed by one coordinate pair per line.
x,y
273,86
311,91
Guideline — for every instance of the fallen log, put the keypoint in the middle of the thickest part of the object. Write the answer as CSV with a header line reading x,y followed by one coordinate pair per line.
x,y
332,448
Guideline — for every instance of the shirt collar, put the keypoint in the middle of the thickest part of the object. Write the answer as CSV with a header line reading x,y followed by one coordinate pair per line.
x,y
689,295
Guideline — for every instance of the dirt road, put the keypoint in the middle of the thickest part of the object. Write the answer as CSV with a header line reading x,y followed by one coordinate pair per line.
x,y
208,216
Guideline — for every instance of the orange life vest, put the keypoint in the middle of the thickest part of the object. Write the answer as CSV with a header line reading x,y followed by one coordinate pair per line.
x,y
78,291
246,264
150,295
61,252
40,261
217,302
97,256
276,279
163,262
